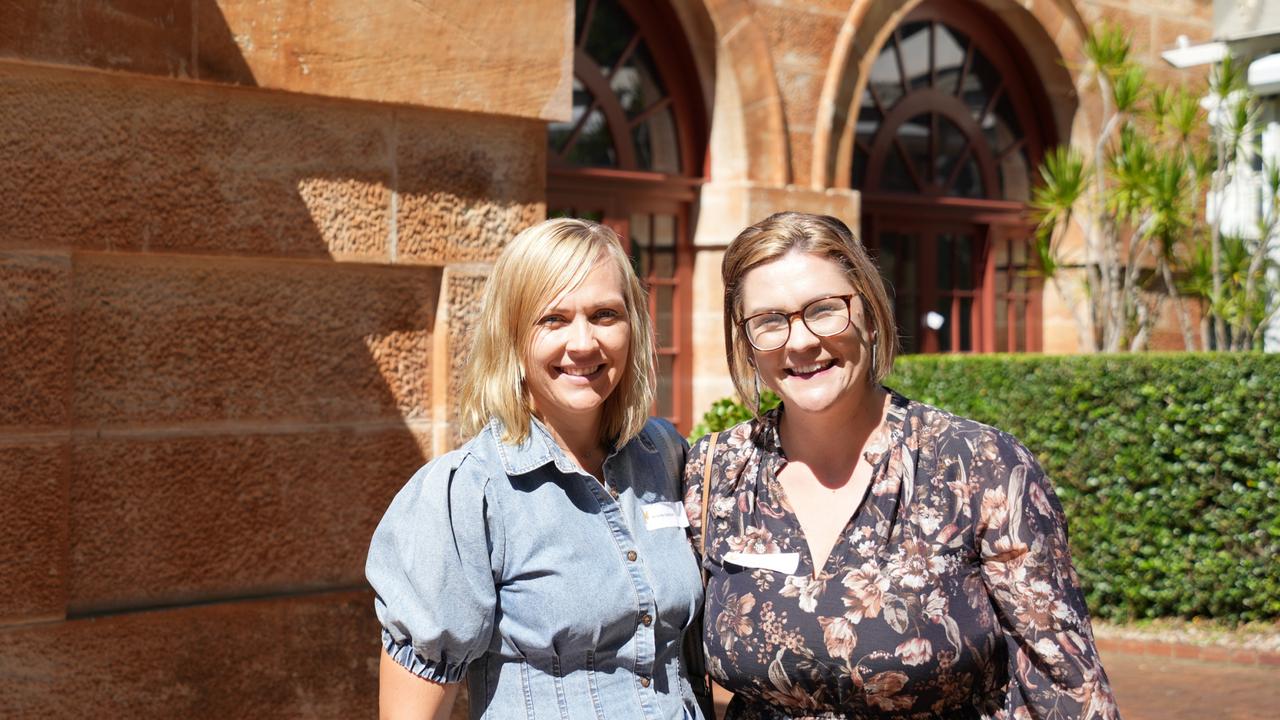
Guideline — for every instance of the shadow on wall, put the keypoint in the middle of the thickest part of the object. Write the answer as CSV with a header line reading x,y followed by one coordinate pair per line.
x,y
216,334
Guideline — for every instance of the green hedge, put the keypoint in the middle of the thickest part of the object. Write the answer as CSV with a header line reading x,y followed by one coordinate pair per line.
x,y
1168,467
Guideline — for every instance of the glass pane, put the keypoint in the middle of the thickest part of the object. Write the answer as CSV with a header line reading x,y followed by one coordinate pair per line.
x,y
951,144
859,169
981,80
609,33
886,260
909,324
664,231
1002,325
640,244
1020,325
657,144
664,263
640,237
1015,176
950,48
915,53
964,263
885,77
594,146
558,132
969,181
913,139
869,118
666,386
636,84
579,17
945,257
966,324
665,296
943,308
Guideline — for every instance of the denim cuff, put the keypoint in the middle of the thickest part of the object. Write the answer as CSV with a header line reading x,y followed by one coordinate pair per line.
x,y
437,671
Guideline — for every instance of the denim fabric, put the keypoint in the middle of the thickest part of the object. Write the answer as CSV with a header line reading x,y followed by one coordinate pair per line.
x,y
511,566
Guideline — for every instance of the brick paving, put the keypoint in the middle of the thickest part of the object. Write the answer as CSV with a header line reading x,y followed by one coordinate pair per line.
x,y
1150,687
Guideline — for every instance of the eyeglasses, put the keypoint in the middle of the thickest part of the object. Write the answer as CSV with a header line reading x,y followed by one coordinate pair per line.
x,y
824,317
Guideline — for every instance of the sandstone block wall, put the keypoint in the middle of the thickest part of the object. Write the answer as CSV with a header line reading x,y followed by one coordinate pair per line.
x,y
239,247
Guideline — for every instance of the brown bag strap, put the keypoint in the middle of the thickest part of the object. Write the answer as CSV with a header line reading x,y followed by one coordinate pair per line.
x,y
706,496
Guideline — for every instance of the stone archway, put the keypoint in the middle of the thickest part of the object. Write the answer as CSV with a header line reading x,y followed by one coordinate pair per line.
x,y
1049,31
746,55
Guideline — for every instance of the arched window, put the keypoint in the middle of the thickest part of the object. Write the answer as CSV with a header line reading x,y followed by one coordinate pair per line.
x,y
631,157
948,135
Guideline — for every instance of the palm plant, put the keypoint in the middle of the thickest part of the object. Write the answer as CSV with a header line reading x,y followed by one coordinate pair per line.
x,y
1149,238
1131,205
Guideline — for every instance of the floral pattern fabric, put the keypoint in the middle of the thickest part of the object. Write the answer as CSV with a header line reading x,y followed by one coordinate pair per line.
x,y
950,592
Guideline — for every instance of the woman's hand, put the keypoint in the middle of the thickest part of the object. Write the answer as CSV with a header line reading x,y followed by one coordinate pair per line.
x,y
405,696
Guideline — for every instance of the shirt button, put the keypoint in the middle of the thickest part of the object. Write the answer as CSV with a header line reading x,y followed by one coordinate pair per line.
x,y
631,555
644,682
647,619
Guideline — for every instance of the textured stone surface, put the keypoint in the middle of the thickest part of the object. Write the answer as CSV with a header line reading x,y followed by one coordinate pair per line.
x,y
463,298
35,339
133,35
466,186
138,164
33,532
164,340
305,657
164,520
491,56
798,36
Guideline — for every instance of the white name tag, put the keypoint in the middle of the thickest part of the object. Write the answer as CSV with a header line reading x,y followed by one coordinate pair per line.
x,y
785,563
664,515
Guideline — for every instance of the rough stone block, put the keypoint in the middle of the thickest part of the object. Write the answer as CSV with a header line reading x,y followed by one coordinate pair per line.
x,y
141,36
33,531
163,339
797,37
129,163
463,297
305,657
467,184
490,56
169,520
35,339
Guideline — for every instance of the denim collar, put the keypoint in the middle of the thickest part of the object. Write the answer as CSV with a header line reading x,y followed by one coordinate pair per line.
x,y
538,449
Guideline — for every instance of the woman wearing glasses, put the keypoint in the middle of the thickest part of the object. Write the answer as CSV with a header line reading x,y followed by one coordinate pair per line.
x,y
871,556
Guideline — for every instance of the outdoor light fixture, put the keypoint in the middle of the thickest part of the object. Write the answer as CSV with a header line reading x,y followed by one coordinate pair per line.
x,y
1186,55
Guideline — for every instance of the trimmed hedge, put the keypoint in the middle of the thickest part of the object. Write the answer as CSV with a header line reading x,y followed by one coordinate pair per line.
x,y
1168,467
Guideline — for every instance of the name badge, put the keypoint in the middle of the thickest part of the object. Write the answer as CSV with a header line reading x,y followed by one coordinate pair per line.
x,y
785,563
664,515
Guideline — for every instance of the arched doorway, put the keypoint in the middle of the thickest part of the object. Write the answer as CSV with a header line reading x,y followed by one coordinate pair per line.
x,y
631,157
950,129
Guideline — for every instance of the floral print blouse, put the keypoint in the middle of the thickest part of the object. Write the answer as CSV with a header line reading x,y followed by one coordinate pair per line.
x,y
949,594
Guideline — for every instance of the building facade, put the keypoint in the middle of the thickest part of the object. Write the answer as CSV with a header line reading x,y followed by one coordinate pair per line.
x,y
241,242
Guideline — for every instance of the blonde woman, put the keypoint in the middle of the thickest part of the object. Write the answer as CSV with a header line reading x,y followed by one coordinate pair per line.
x,y
871,556
545,560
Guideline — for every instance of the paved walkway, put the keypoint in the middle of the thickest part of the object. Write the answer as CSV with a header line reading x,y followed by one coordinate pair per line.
x,y
1159,688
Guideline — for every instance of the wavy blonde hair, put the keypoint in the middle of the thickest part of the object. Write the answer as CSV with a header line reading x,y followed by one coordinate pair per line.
x,y
820,235
538,265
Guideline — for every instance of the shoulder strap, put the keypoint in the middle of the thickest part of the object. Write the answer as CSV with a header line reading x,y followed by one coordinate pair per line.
x,y
706,495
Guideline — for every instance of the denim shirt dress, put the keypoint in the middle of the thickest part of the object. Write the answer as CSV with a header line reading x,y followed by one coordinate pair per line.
x,y
555,596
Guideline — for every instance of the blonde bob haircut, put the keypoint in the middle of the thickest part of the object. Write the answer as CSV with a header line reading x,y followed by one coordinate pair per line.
x,y
538,265
820,235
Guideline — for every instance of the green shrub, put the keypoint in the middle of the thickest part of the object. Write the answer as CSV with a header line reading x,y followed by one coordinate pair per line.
x,y
1168,467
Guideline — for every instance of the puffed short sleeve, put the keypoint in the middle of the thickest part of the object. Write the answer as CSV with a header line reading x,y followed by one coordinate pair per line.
x,y
433,563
